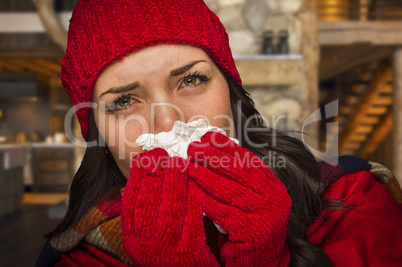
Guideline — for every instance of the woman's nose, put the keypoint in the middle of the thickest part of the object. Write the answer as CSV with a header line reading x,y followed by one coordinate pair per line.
x,y
165,114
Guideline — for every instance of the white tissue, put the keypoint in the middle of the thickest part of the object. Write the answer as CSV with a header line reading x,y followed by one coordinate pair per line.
x,y
177,140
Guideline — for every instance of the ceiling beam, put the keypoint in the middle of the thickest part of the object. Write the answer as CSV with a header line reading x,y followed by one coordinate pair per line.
x,y
35,67
50,65
32,53
10,65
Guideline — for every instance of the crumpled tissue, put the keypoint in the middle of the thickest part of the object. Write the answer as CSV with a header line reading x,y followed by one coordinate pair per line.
x,y
177,140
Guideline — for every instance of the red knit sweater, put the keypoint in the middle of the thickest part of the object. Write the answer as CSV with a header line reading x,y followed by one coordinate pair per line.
x,y
367,234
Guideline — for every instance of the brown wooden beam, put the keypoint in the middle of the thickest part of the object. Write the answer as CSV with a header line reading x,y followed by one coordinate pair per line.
x,y
397,114
310,49
32,53
33,66
10,65
379,134
382,77
48,64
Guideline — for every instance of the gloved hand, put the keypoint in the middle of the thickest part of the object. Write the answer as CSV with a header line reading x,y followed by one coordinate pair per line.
x,y
241,194
162,219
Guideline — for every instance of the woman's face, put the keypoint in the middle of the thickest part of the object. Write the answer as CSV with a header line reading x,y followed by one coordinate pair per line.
x,y
150,89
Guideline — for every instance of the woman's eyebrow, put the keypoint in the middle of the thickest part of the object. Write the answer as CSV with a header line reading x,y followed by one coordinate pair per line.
x,y
121,89
185,68
132,86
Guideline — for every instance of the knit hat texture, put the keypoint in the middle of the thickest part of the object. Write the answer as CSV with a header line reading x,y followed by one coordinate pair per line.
x,y
103,31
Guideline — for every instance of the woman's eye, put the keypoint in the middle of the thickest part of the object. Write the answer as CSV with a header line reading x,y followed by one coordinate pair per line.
x,y
194,79
121,103
124,102
191,81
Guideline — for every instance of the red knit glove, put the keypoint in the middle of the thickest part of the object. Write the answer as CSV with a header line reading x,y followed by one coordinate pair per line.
x,y
162,219
241,194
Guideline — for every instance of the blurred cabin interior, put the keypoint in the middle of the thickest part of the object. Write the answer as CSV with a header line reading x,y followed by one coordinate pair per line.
x,y
342,58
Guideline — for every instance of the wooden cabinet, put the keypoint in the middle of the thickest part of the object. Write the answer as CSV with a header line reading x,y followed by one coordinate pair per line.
x,y
53,167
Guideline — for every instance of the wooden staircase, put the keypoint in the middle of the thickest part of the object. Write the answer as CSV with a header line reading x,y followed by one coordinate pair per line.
x,y
365,115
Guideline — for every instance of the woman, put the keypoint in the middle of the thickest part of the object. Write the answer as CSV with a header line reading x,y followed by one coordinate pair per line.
x,y
145,65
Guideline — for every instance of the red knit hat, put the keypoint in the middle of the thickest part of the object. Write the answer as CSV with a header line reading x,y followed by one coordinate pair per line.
x,y
103,31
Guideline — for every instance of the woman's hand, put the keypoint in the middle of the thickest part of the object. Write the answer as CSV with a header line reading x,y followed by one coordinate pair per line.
x,y
241,194
162,219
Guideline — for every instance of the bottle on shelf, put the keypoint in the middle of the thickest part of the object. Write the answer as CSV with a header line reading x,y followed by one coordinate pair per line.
x,y
268,47
283,44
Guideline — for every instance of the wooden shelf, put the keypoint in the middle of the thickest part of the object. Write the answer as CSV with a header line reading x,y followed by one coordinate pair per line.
x,y
351,32
269,70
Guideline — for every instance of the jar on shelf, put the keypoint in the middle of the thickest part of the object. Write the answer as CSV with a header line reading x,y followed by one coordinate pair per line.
x,y
283,44
268,47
